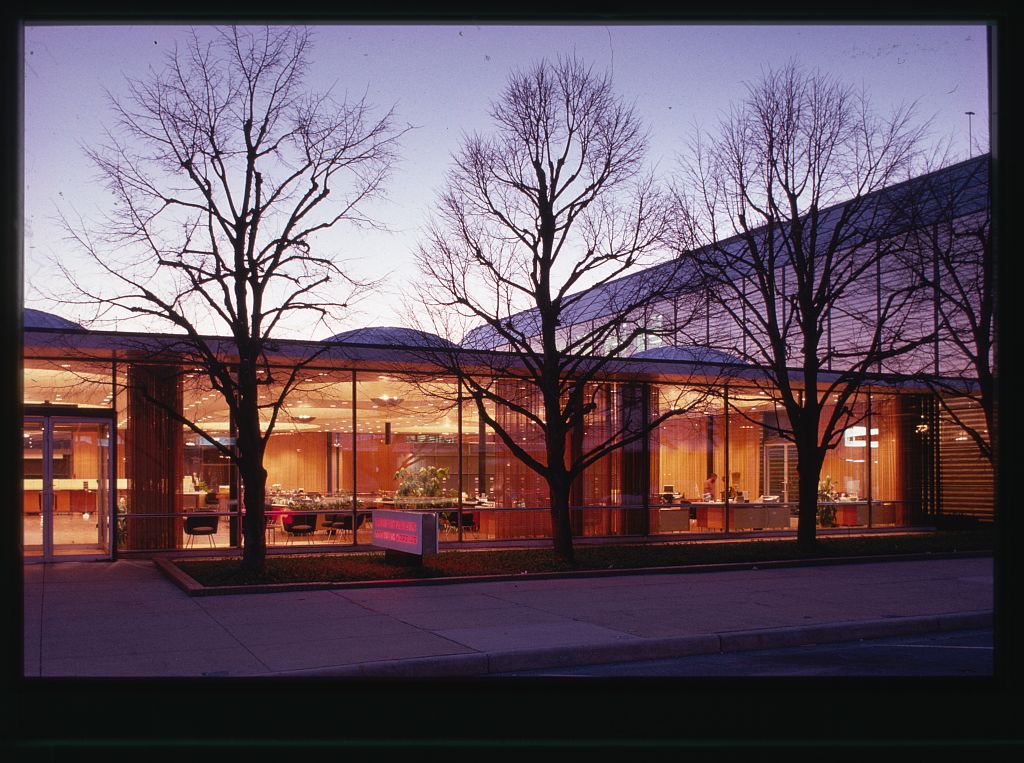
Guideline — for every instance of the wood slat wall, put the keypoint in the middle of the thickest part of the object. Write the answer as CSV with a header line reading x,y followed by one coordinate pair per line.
x,y
154,457
745,455
84,453
297,460
966,480
683,455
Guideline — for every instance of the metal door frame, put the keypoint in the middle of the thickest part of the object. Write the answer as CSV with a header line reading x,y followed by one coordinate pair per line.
x,y
47,416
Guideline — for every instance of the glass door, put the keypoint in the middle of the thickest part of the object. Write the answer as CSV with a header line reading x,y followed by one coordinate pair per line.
x,y
67,498
32,514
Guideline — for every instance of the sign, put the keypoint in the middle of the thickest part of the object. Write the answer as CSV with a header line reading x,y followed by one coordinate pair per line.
x,y
412,532
856,437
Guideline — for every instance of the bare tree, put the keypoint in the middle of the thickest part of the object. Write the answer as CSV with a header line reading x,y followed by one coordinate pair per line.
x,y
540,241
948,216
782,216
224,169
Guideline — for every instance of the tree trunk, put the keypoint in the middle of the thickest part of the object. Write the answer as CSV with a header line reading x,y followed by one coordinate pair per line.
x,y
561,527
254,485
254,551
809,460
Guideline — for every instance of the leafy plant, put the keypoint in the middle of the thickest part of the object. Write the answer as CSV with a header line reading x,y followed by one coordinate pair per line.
x,y
341,503
827,493
421,483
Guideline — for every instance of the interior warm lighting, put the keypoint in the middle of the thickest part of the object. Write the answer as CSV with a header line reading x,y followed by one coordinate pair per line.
x,y
855,437
304,419
387,400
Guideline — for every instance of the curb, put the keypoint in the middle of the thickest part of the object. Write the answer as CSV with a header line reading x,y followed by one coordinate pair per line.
x,y
478,664
194,588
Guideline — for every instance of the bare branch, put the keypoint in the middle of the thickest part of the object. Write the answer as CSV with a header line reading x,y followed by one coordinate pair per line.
x,y
223,170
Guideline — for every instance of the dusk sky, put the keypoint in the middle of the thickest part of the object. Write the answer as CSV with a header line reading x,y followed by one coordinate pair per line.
x,y
441,79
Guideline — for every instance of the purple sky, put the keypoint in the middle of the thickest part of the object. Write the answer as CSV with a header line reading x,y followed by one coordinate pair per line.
x,y
441,79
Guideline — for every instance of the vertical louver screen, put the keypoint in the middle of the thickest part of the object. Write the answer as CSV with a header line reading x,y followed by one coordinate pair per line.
x,y
966,479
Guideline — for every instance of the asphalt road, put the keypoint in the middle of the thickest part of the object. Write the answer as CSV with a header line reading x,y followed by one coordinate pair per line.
x,y
952,654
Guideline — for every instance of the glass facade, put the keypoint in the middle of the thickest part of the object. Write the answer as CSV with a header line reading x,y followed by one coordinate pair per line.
x,y
68,453
347,442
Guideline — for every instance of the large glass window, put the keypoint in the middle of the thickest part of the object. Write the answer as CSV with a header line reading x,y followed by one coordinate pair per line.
x,y
479,457
843,482
613,490
309,462
690,460
405,426
902,464
345,444
747,408
407,441
762,466
521,497
73,383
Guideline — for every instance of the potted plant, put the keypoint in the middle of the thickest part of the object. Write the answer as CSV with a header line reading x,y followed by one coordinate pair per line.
x,y
827,495
209,493
415,485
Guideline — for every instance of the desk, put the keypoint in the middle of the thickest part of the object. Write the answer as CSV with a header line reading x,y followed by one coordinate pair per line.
x,y
849,513
710,516
675,519
742,516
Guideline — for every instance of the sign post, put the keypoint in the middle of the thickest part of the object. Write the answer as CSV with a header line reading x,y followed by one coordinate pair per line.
x,y
405,536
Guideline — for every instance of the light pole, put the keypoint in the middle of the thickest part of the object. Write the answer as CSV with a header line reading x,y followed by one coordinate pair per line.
x,y
970,139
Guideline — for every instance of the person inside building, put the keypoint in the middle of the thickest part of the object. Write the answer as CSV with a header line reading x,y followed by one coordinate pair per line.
x,y
711,488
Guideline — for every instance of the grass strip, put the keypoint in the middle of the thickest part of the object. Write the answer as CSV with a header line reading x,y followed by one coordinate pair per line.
x,y
351,567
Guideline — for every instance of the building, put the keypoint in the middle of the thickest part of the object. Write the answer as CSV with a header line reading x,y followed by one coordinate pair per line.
x,y
109,469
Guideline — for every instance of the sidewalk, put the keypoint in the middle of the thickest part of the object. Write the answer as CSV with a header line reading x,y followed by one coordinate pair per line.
x,y
127,618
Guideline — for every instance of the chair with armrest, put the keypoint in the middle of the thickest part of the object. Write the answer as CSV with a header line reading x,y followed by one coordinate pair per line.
x,y
342,522
201,523
298,525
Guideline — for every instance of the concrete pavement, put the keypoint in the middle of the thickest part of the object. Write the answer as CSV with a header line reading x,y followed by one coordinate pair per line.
x,y
127,619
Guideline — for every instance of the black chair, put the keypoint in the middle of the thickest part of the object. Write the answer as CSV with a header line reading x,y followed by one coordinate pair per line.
x,y
329,520
342,522
201,523
270,526
449,521
298,525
